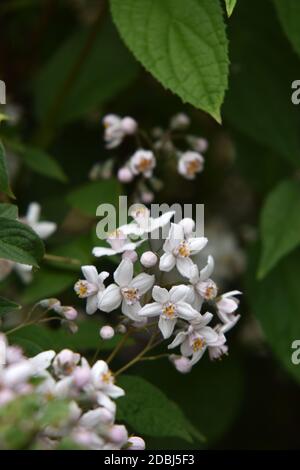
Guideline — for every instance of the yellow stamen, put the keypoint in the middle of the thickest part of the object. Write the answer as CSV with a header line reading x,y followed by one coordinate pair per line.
x,y
198,344
169,310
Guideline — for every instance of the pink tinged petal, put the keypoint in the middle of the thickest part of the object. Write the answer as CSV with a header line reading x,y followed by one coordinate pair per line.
x,y
178,293
131,311
102,276
99,251
151,310
90,273
143,282
197,244
115,392
229,324
42,361
186,349
124,272
186,311
210,336
166,326
111,298
44,229
207,271
92,304
106,402
203,320
33,213
184,266
161,221
160,294
226,305
198,355
179,338
167,262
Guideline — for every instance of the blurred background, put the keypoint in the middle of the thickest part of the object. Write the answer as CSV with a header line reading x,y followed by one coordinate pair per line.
x,y
65,67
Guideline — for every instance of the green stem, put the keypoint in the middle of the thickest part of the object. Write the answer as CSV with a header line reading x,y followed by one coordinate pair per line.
x,y
138,357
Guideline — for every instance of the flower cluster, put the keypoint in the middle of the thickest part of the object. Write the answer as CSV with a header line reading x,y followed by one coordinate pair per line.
x,y
90,392
184,150
191,308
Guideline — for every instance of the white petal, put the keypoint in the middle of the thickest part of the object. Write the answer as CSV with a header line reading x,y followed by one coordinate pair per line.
x,y
132,229
98,369
179,338
143,282
197,356
90,273
194,274
92,304
111,298
114,391
166,326
124,272
207,271
167,262
197,244
160,294
102,251
44,229
131,311
176,235
186,349
211,336
102,276
186,311
33,213
161,221
42,361
106,402
178,293
184,266
151,310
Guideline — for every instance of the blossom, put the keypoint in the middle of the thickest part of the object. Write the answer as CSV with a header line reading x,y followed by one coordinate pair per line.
x,y
43,229
227,304
202,287
197,337
142,162
107,332
189,164
127,290
104,381
143,222
178,250
119,244
169,306
91,288
116,128
182,364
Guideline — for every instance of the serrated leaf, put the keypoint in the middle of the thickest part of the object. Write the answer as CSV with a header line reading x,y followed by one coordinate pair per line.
x,y
148,411
7,306
4,183
19,243
230,4
289,16
280,224
183,44
10,211
106,69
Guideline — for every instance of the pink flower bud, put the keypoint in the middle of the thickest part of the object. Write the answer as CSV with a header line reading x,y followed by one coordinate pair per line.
x,y
118,434
107,332
130,254
148,259
50,303
121,329
182,364
69,313
129,125
147,197
125,175
180,121
81,376
136,443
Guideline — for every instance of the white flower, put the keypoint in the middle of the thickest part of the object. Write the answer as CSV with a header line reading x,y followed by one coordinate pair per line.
x,y
142,162
126,290
189,164
227,304
42,361
178,251
115,129
143,222
104,381
65,362
119,244
91,288
194,341
42,229
202,287
169,305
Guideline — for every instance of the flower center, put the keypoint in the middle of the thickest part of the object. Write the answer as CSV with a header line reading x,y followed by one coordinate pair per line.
x,y
193,167
198,344
81,289
183,249
208,290
131,295
169,310
144,164
107,377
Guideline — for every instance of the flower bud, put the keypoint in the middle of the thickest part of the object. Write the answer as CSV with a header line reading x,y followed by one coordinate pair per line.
x,y
125,175
121,329
182,364
129,125
50,303
148,259
136,443
107,332
118,434
147,197
180,121
81,376
69,313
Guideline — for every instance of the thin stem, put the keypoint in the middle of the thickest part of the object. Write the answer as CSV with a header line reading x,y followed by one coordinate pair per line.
x,y
119,346
153,358
61,259
138,357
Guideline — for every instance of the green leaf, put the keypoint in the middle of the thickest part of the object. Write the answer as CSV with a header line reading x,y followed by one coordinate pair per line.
x,y
148,411
289,16
280,225
10,211
258,102
275,301
6,306
42,163
230,4
88,197
19,243
48,283
4,184
106,69
183,44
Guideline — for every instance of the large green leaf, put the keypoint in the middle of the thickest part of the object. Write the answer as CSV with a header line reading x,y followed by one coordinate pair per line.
x,y
48,283
88,197
280,224
19,243
105,70
289,16
182,43
42,163
4,184
258,102
230,4
275,301
7,306
148,410
10,211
